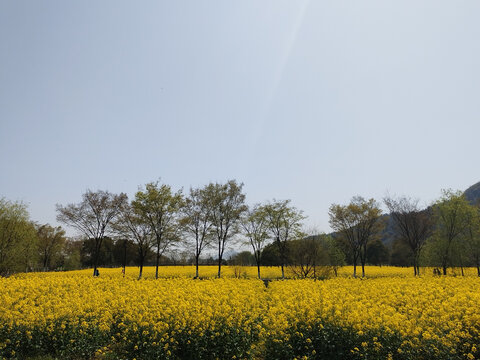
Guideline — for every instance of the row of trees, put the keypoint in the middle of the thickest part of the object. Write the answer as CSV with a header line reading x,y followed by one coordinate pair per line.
x,y
25,245
446,234
158,219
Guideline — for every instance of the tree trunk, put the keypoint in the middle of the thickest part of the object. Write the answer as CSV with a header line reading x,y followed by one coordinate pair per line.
x,y
196,265
478,269
124,256
141,270
444,269
257,260
354,269
98,245
95,260
158,261
363,269
45,263
219,267
283,273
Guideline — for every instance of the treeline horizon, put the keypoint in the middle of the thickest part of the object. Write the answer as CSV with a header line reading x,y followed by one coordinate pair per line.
x,y
160,226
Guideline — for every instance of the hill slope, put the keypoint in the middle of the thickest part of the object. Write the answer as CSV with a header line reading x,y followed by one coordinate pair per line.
x,y
473,193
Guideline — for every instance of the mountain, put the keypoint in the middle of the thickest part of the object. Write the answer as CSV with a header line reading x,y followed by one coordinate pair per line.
x,y
473,193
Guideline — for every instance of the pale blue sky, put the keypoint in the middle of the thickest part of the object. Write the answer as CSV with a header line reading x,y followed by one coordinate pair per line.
x,y
315,101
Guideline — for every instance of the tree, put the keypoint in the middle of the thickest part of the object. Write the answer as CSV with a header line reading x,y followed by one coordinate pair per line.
x,y
453,218
305,255
18,239
196,220
228,205
255,228
50,244
284,224
72,255
243,258
270,255
472,239
357,223
411,225
104,255
159,207
131,225
377,253
92,217
335,254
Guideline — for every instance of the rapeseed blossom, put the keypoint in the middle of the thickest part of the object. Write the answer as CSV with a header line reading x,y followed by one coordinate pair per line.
x,y
389,315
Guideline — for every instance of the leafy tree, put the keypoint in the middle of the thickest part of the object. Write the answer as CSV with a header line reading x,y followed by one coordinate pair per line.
x,y
243,258
72,258
412,225
284,224
124,252
131,225
255,228
228,205
357,223
377,253
50,245
306,254
197,220
104,255
472,241
314,256
453,218
92,217
270,255
335,254
18,239
159,207
401,254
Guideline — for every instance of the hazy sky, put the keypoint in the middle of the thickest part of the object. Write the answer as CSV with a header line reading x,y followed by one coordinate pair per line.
x,y
314,101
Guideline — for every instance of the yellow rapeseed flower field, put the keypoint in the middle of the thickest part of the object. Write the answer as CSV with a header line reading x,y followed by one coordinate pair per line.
x,y
389,315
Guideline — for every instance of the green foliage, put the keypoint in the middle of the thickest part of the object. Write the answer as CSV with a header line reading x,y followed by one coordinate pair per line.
x,y
228,205
331,341
18,238
356,224
284,223
50,245
456,223
377,253
71,341
159,207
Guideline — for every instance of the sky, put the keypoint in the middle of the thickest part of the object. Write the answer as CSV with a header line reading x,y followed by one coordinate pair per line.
x,y
313,101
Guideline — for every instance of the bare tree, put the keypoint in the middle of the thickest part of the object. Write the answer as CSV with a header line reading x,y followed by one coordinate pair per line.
x,y
196,221
284,224
160,208
92,216
255,228
228,203
412,225
357,222
131,225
